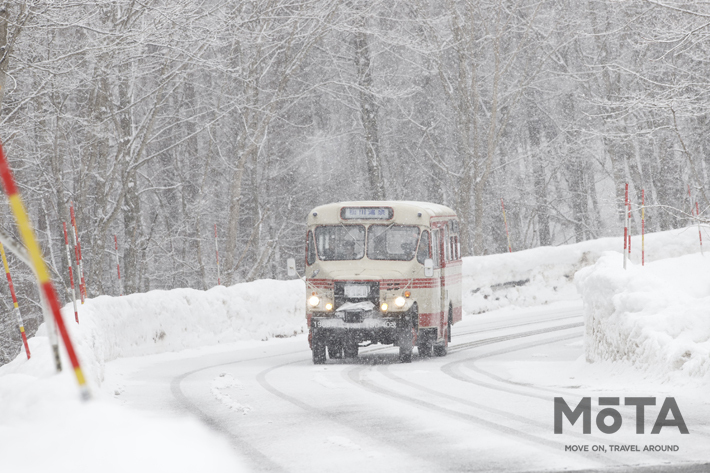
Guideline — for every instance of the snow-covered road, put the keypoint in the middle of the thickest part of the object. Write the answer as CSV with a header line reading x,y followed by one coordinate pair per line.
x,y
487,406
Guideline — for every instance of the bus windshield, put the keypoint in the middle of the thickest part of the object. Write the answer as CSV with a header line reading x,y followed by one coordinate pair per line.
x,y
340,242
392,242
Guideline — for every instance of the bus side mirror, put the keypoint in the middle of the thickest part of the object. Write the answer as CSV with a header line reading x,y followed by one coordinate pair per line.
x,y
428,267
291,267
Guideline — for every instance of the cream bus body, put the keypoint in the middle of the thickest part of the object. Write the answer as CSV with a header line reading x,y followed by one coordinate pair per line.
x,y
382,272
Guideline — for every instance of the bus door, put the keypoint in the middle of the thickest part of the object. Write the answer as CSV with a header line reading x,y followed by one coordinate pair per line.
x,y
440,262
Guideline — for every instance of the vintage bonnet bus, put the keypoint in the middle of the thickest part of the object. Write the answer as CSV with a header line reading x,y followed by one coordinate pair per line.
x,y
381,272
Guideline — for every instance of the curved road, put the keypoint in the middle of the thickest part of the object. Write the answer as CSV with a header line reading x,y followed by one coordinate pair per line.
x,y
486,406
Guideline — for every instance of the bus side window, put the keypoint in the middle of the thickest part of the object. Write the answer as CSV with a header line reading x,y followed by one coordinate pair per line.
x,y
423,251
436,248
310,249
447,253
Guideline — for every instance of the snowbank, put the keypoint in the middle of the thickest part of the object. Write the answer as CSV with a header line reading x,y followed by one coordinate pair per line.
x,y
654,317
546,274
162,321
45,427
40,408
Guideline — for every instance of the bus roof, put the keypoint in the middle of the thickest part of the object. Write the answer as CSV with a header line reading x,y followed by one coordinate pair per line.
x,y
404,212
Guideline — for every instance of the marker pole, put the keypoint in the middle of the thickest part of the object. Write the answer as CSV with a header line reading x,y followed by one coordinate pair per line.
x,y
77,254
14,301
643,226
507,234
71,272
216,251
40,269
697,218
629,220
118,268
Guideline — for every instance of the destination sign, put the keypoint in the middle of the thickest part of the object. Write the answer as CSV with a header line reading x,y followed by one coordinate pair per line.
x,y
374,213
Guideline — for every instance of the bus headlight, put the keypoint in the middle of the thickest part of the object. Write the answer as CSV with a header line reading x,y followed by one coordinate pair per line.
x,y
329,307
400,301
313,301
384,307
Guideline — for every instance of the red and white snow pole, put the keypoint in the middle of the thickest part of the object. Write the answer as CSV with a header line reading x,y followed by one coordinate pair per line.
x,y
49,295
505,220
626,223
628,217
118,268
14,301
643,226
697,218
216,252
71,272
77,251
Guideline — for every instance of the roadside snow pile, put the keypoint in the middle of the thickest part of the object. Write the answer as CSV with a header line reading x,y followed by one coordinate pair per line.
x,y
545,274
42,409
654,317
163,321
44,426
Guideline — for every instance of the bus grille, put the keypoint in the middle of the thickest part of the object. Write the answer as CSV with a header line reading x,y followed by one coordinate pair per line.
x,y
373,293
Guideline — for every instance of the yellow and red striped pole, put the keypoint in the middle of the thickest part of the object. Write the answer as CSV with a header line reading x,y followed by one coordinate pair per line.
x,y
40,269
216,251
71,272
14,301
118,268
77,254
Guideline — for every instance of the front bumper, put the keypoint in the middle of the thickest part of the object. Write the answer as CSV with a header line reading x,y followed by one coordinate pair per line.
x,y
336,323
358,326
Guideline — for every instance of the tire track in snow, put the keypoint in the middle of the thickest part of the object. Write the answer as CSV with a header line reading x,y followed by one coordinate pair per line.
x,y
388,433
259,461
355,375
449,370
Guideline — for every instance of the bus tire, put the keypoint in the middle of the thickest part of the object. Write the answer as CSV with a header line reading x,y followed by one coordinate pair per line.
x,y
351,349
335,350
424,343
405,345
318,351
405,336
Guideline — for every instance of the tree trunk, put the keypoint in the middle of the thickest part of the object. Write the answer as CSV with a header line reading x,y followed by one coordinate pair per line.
x,y
368,114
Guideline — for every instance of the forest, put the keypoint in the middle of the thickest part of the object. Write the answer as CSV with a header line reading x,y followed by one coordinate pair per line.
x,y
176,128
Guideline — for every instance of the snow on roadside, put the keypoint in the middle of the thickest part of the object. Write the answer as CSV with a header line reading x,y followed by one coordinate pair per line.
x,y
165,321
546,274
40,408
44,426
653,317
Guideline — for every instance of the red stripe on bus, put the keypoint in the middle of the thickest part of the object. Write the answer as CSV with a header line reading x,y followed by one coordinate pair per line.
x,y
430,320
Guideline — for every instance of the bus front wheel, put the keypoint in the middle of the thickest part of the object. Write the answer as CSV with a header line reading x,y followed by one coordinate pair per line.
x,y
405,337
318,348
335,349
351,348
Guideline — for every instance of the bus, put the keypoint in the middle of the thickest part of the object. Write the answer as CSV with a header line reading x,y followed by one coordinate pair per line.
x,y
381,272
